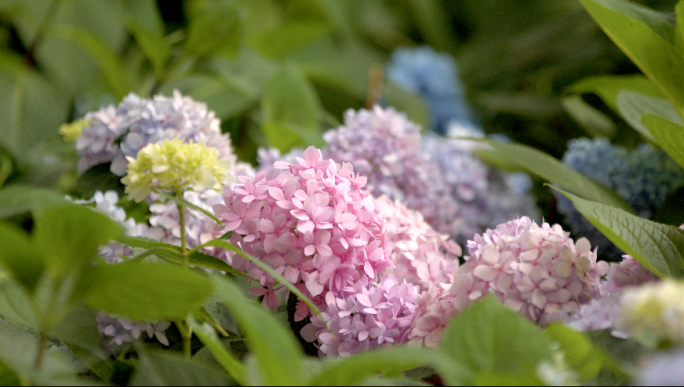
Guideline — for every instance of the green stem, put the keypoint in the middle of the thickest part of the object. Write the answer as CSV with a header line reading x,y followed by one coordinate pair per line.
x,y
39,354
181,217
29,59
187,336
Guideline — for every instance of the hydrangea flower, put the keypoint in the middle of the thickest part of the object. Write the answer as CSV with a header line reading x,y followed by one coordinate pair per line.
x,y
114,133
535,270
654,312
454,190
643,177
174,165
311,222
665,369
433,76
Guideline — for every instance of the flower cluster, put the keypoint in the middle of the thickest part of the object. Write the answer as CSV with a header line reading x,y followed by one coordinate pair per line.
x,y
123,331
114,133
311,222
536,270
643,177
442,179
604,312
654,312
174,165
434,77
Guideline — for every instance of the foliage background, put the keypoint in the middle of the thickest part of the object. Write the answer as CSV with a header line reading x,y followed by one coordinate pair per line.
x,y
269,67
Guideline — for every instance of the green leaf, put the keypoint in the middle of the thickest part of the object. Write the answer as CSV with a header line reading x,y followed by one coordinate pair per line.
x,y
281,41
404,101
21,257
488,337
289,101
147,292
17,199
146,14
208,337
671,211
154,46
98,364
591,120
278,355
214,25
658,247
8,377
196,259
161,368
647,37
679,27
79,328
106,59
579,353
31,110
552,170
609,86
390,362
497,160
633,106
15,304
669,135
70,235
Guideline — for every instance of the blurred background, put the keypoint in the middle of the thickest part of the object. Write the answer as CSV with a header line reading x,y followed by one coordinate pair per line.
x,y
268,67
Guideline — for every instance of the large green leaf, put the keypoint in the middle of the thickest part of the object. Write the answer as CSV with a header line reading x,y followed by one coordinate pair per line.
x,y
161,368
390,362
21,257
291,111
31,111
79,328
647,37
552,170
609,86
278,355
579,353
658,247
669,135
70,235
105,57
432,22
15,304
488,337
633,106
17,199
147,292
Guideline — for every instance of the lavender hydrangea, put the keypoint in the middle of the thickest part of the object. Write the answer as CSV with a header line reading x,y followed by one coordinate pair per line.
x,y
433,76
441,178
643,177
113,133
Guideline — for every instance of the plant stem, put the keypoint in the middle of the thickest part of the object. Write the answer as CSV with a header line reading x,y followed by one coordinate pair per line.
x,y
181,217
29,60
39,355
187,335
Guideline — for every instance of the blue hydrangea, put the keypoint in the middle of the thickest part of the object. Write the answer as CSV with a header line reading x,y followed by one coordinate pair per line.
x,y
643,177
433,76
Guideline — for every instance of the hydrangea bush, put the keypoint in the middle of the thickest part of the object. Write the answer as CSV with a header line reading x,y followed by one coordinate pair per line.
x,y
373,254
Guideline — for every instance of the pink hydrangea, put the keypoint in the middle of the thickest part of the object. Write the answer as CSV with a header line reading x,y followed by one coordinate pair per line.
x,y
363,315
628,272
535,270
311,222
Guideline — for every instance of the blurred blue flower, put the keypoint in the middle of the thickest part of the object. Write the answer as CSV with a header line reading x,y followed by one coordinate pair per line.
x,y
643,177
433,76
